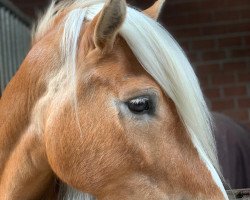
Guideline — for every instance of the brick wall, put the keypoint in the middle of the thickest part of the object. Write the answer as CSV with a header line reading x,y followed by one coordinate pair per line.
x,y
216,36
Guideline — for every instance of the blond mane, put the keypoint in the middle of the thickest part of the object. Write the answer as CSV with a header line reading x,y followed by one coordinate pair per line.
x,y
160,56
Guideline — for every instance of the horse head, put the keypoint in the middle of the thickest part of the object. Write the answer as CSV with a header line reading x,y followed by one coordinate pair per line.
x,y
116,109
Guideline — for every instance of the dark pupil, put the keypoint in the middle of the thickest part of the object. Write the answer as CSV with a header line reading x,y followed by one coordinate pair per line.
x,y
138,105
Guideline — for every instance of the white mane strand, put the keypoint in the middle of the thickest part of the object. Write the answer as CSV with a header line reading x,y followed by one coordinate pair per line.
x,y
165,61
161,57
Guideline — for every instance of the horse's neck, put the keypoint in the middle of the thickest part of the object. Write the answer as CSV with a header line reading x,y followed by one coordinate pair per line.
x,y
15,110
22,93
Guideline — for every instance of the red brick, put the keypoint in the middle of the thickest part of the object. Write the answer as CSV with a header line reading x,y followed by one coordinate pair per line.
x,y
239,27
193,56
238,3
187,32
203,44
245,14
230,42
185,6
213,55
208,4
173,20
226,15
241,115
213,30
241,53
235,66
212,93
203,80
222,79
244,77
185,46
247,40
235,91
244,103
208,69
226,28
211,5
199,18
219,105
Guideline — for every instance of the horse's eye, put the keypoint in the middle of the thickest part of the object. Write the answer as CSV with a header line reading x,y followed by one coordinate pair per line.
x,y
139,105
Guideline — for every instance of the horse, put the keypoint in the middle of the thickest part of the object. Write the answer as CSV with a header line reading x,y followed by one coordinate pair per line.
x,y
106,106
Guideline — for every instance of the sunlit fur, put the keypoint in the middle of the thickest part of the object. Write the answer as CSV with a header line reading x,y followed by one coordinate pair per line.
x,y
160,56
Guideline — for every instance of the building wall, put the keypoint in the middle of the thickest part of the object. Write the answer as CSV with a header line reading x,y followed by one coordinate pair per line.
x,y
216,37
215,34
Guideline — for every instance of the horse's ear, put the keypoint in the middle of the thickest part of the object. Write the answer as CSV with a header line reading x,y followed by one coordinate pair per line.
x,y
155,10
108,22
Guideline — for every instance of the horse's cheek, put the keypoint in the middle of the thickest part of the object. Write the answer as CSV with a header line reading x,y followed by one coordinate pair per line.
x,y
79,156
61,145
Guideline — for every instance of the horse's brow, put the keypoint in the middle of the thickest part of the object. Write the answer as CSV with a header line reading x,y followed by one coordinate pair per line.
x,y
94,77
